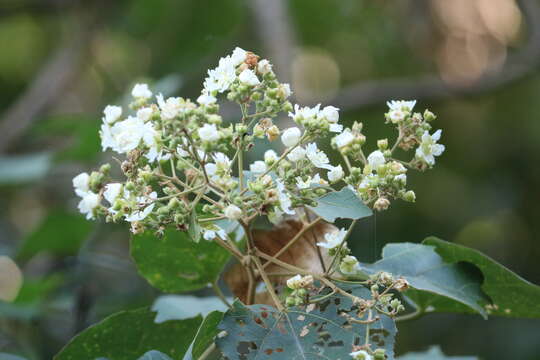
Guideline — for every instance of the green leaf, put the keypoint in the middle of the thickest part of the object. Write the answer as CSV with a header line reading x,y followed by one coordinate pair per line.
x,y
154,355
129,335
510,294
206,334
174,263
341,204
427,271
317,332
47,237
434,353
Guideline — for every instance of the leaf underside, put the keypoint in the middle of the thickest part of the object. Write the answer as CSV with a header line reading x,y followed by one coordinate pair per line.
x,y
341,204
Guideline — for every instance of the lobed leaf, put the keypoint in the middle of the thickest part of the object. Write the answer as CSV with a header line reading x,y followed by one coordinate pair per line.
x,y
341,204
173,263
510,294
427,271
318,331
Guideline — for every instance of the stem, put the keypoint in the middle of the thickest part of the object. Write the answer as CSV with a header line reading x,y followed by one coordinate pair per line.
x,y
268,283
220,295
367,328
398,141
209,350
330,270
294,239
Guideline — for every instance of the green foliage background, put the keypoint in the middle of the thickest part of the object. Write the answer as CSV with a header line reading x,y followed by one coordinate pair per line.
x,y
484,193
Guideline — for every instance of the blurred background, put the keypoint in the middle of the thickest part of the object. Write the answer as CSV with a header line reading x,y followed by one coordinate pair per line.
x,y
472,62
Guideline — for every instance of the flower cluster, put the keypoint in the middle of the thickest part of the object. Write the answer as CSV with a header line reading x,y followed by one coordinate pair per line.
x,y
185,166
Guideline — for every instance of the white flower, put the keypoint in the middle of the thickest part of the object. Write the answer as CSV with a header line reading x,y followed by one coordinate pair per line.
x,y
248,77
335,174
127,135
238,56
331,113
270,156
303,113
88,203
429,148
337,128
333,239
343,139
233,212
361,355
284,90
297,154
81,184
375,159
209,132
291,136
141,91
401,105
349,265
206,99
301,184
317,157
112,191
107,140
210,168
401,178
170,108
258,167
222,161
211,234
264,66
112,113
294,282
145,113
396,116
221,78
284,198
145,205
298,282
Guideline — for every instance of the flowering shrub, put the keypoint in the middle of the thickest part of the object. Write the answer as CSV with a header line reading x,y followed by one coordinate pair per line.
x,y
187,188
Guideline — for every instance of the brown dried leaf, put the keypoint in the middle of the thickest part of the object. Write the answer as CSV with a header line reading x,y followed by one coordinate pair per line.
x,y
302,254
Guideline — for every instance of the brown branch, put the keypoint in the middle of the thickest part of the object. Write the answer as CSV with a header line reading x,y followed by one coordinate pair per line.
x,y
60,71
432,87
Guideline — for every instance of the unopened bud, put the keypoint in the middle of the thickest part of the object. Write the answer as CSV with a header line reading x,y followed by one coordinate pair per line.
x,y
381,204
409,196
382,144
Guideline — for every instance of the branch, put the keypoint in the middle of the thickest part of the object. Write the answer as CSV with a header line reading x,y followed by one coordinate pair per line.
x,y
53,79
432,87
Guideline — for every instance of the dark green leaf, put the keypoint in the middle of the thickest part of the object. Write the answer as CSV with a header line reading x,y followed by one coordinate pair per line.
x,y
341,204
47,237
427,271
130,334
434,353
261,331
206,334
174,263
510,294
154,355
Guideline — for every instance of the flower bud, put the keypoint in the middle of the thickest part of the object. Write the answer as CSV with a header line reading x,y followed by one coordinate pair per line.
x,y
291,136
105,168
381,204
380,354
409,196
233,212
258,131
401,284
382,144
429,116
